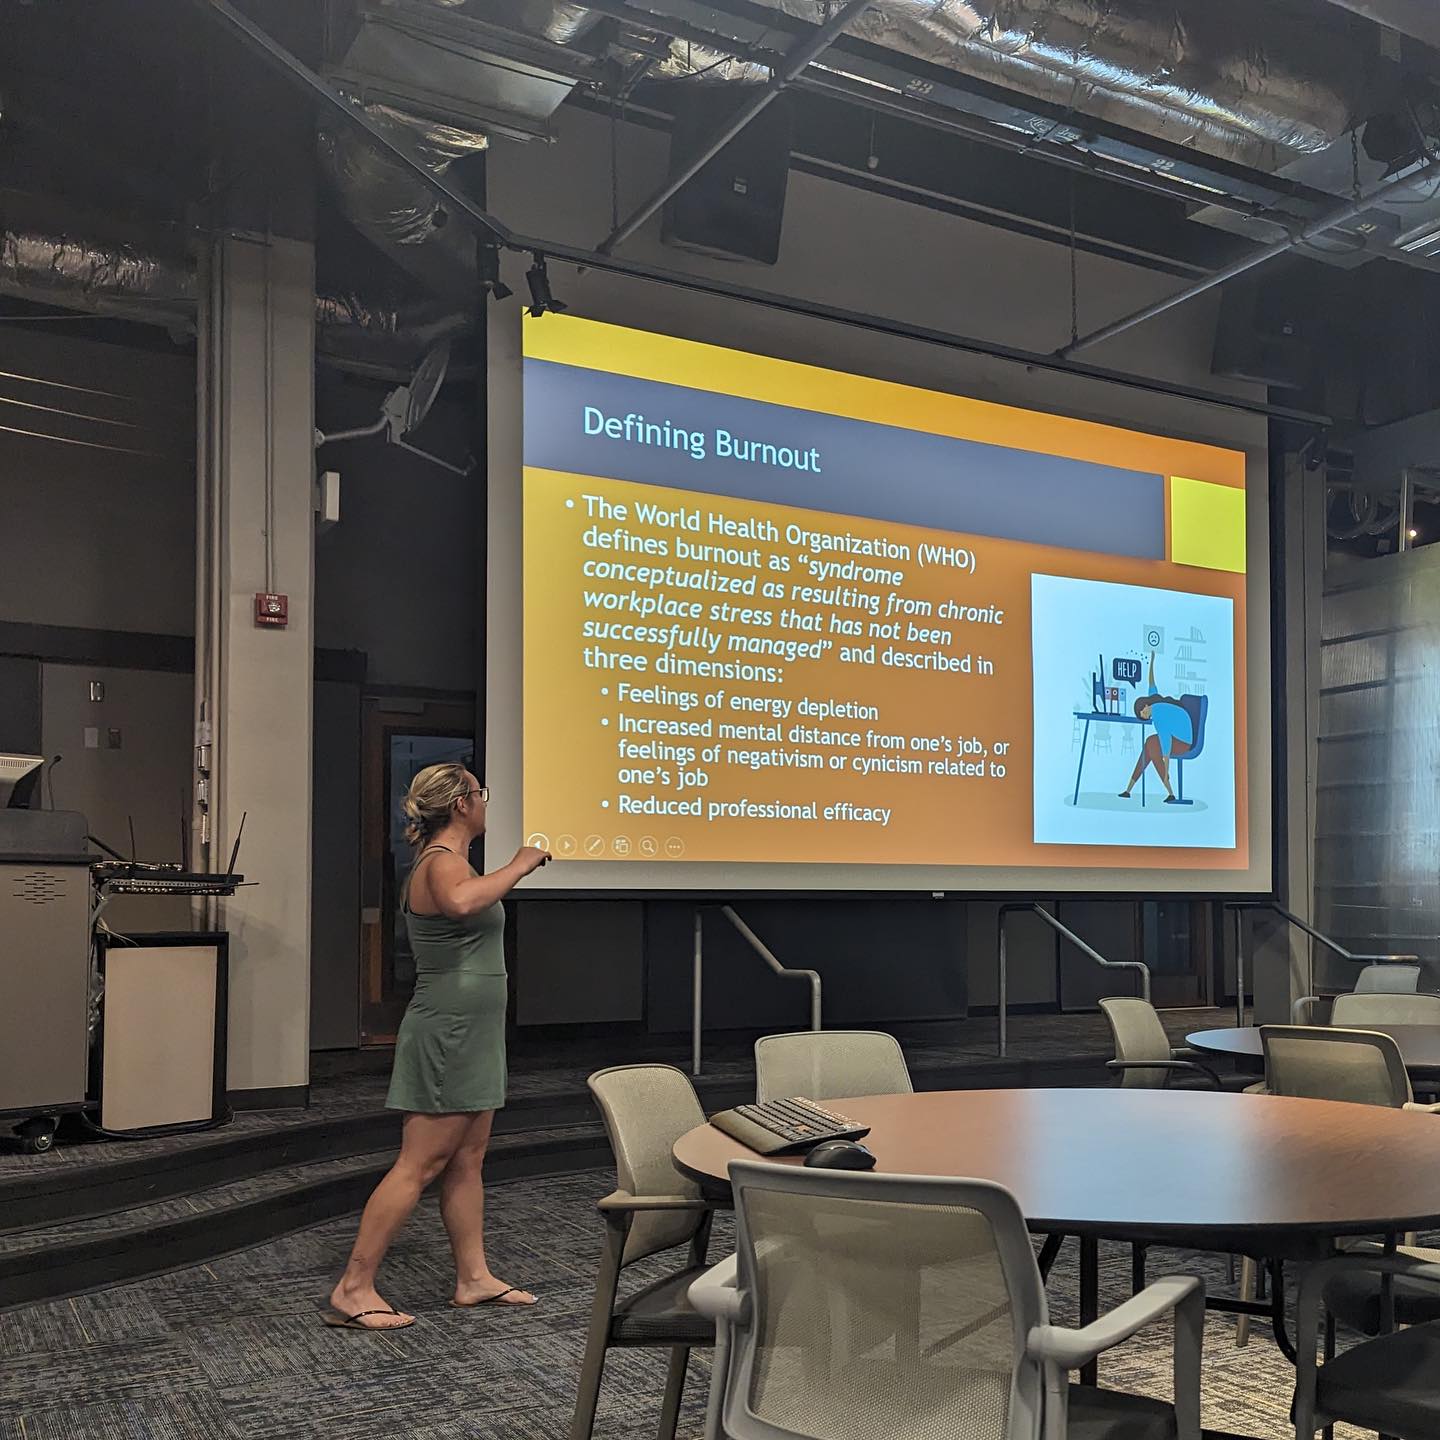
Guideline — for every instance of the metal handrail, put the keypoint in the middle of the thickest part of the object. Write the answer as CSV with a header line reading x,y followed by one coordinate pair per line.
x,y
786,972
1289,916
697,982
1002,961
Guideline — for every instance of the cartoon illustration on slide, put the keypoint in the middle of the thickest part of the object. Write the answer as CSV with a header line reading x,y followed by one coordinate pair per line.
x,y
1141,720
1179,735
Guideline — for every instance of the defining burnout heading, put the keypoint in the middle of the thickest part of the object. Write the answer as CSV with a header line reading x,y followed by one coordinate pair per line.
x,y
637,430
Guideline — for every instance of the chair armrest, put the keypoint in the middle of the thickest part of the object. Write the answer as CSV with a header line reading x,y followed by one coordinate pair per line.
x,y
1424,1109
715,1293
1073,1348
1301,1008
1193,1066
1182,1294
623,1200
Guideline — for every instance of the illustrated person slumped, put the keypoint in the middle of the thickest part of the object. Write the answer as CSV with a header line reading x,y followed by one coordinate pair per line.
x,y
1173,738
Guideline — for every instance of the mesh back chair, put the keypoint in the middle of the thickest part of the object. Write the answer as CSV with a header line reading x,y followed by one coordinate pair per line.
x,y
1329,1063
885,1307
1386,1384
1359,1010
1388,980
828,1064
646,1108
1143,1053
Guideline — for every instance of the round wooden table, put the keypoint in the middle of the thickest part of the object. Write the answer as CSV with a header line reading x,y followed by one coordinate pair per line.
x,y
1261,1175
1419,1046
1257,1174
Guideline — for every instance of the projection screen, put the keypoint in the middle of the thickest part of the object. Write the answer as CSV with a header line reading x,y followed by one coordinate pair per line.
x,y
761,622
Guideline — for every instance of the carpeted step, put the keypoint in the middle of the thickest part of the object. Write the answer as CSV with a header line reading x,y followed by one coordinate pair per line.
x,y
57,1260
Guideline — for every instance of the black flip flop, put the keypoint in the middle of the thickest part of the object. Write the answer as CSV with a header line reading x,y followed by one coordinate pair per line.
x,y
491,1299
338,1321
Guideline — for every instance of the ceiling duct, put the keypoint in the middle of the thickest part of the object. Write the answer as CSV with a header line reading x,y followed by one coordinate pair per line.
x,y
105,278
441,83
1226,77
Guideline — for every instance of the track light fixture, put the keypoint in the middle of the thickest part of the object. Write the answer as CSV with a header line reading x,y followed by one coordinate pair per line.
x,y
538,278
488,262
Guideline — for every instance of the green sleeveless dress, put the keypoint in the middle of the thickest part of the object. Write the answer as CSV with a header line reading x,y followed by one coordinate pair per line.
x,y
450,1052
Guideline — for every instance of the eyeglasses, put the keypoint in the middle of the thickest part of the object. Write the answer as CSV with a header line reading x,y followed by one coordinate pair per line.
x,y
483,792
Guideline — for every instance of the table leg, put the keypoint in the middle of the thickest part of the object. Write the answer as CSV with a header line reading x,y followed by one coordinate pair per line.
x,y
1080,768
1048,1251
1277,1310
1089,1297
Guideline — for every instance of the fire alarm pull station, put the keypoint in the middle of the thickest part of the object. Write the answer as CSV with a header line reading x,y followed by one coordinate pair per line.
x,y
272,610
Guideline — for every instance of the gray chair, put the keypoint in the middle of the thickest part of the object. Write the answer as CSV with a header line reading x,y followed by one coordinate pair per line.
x,y
1327,1062
1395,979
1357,1010
1143,1054
646,1108
829,1064
1387,1384
866,1306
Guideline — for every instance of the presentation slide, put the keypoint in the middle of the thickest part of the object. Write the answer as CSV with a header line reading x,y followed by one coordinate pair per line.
x,y
780,615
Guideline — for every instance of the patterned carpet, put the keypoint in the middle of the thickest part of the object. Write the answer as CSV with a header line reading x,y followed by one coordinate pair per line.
x,y
236,1349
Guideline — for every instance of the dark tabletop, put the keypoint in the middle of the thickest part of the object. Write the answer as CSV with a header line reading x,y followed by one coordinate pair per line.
x,y
1262,1174
1419,1044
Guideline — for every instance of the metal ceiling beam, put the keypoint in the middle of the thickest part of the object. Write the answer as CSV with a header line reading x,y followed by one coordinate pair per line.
x,y
801,54
275,55
1417,18
1245,263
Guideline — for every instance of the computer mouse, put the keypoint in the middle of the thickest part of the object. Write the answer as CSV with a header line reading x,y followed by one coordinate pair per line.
x,y
840,1155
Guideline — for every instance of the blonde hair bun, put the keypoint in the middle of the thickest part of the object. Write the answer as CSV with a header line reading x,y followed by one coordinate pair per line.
x,y
431,798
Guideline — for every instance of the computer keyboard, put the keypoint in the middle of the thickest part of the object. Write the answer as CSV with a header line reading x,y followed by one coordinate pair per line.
x,y
781,1127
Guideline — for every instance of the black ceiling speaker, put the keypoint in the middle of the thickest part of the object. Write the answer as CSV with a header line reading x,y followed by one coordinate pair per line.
x,y
735,205
1260,335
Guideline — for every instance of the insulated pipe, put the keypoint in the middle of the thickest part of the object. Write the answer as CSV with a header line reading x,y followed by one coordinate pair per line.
x,y
796,59
464,204
1250,262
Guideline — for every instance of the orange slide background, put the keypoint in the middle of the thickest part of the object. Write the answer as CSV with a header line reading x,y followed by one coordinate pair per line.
x,y
570,760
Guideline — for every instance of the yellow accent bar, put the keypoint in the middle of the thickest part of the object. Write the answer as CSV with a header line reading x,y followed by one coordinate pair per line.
x,y
594,345
1207,525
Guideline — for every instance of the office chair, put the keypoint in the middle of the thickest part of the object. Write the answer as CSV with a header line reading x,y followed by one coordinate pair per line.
x,y
1197,707
1378,979
826,1064
1389,979
1144,1056
1364,1066
859,1306
646,1108
1357,1010
1387,1384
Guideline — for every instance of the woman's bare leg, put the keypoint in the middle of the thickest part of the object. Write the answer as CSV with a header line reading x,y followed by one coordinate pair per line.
x,y
1149,755
462,1207
1162,769
429,1142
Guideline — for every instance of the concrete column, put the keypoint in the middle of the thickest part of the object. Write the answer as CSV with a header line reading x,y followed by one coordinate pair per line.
x,y
254,683
1281,963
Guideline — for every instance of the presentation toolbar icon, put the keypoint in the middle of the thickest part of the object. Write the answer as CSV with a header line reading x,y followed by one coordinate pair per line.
x,y
621,845
649,846
539,840
594,845
674,847
566,845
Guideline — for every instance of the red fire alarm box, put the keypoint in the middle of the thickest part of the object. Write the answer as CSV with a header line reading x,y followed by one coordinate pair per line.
x,y
272,610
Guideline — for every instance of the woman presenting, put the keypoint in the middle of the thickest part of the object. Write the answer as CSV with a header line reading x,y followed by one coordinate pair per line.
x,y
1173,738
449,1075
